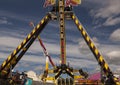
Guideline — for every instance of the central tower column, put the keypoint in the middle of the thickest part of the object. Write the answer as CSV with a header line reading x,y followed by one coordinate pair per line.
x,y
62,32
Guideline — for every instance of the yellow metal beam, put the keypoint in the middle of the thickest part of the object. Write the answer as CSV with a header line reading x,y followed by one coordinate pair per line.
x,y
93,48
12,57
78,77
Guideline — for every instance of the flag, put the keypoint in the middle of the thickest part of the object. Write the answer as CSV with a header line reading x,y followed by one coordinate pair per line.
x,y
49,3
72,2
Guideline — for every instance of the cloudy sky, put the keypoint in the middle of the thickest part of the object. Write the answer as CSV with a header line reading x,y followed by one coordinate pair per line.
x,y
101,20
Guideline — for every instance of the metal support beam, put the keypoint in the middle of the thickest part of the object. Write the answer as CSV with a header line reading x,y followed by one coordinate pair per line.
x,y
95,51
62,32
13,59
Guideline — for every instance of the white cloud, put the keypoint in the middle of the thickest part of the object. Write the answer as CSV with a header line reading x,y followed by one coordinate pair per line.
x,y
73,53
9,41
107,9
113,54
112,21
115,36
13,15
8,44
81,63
83,47
72,50
3,20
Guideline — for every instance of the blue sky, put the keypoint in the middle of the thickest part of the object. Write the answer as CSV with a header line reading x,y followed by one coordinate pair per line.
x,y
101,20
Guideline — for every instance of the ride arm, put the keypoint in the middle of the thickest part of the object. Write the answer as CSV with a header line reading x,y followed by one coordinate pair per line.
x,y
94,50
43,47
13,59
45,51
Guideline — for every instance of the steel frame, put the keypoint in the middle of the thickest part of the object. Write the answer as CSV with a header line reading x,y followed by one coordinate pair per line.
x,y
18,53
